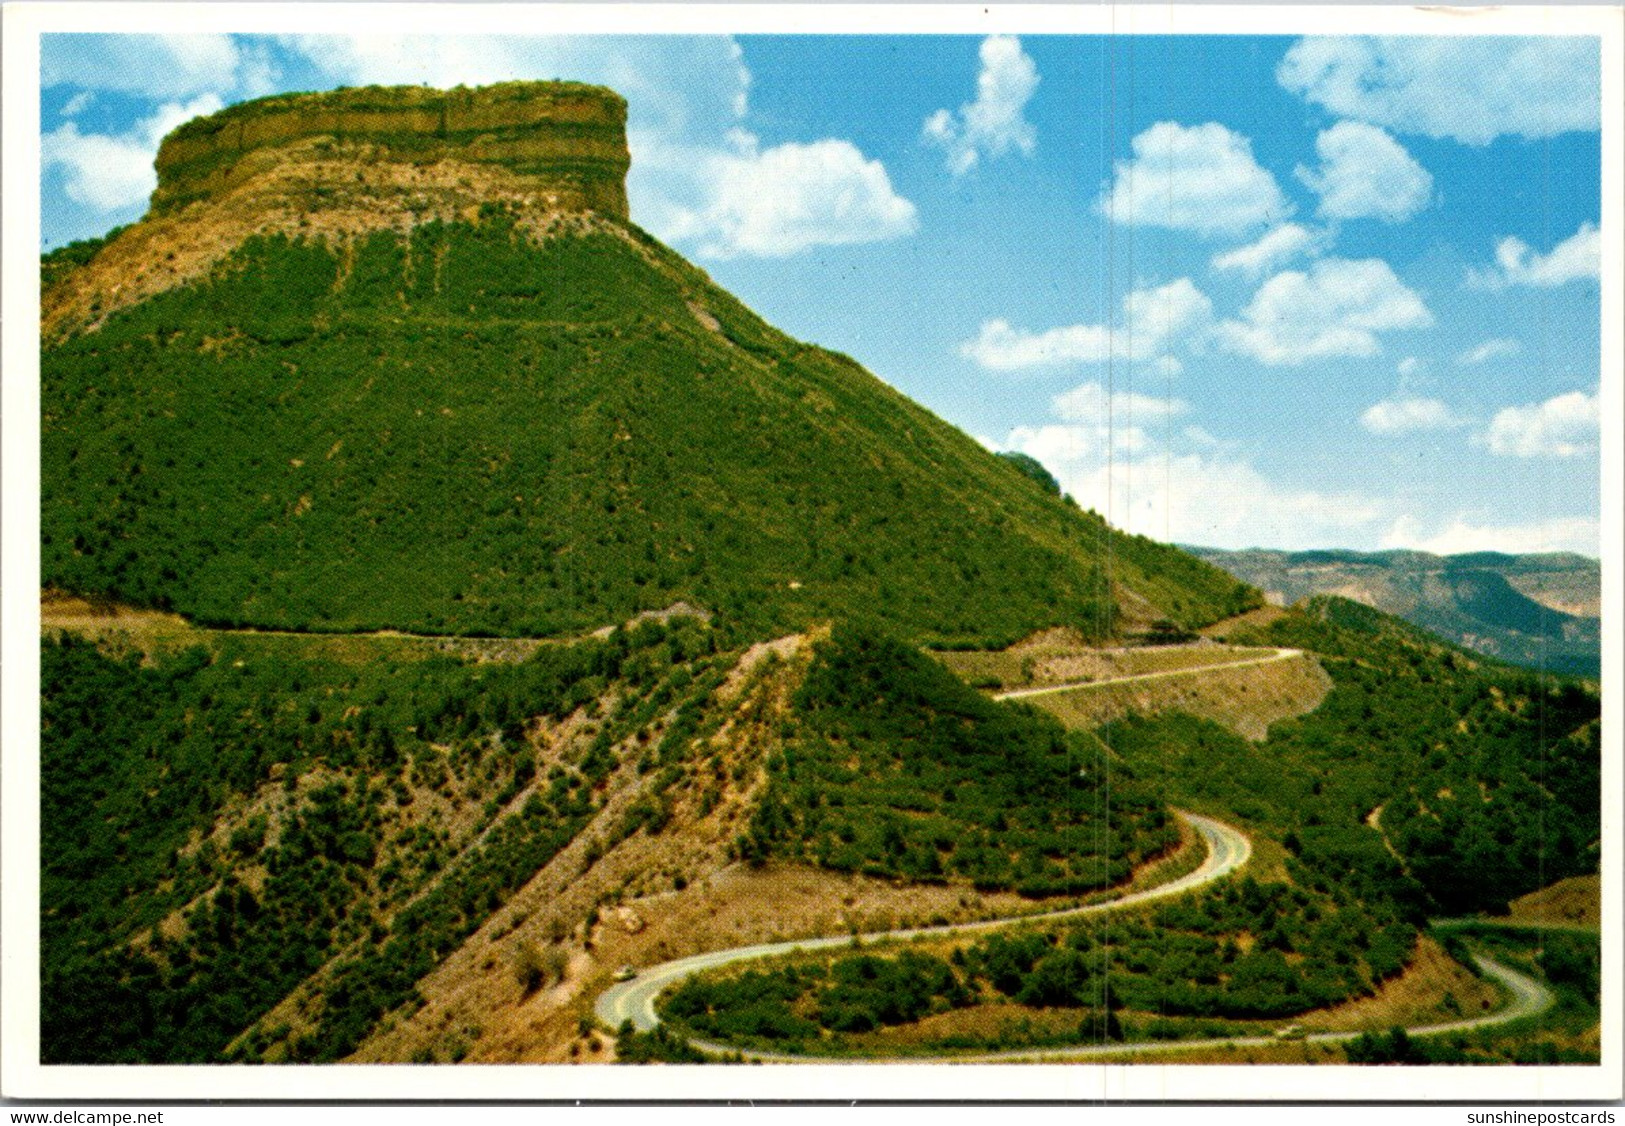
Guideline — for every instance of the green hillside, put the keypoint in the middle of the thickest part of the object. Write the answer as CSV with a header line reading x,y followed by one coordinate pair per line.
x,y
466,431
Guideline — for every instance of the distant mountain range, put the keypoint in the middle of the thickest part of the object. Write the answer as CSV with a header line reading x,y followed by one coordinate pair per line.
x,y
1542,611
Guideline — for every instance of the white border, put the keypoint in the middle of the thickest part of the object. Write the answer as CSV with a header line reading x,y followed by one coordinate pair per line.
x,y
20,1074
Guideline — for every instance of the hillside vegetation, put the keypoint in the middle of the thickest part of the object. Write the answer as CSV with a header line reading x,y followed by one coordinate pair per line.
x,y
382,810
897,769
1247,951
286,839
1428,783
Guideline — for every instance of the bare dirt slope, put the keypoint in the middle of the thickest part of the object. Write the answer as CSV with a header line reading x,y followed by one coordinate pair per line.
x,y
1243,688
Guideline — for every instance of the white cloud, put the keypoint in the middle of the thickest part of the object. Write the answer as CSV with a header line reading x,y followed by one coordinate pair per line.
x,y
1098,427
1068,445
1408,415
1137,460
1489,350
1409,366
1153,317
1578,256
1580,534
1152,321
1201,178
1336,308
109,173
993,124
1471,89
1001,347
1562,426
77,104
1117,452
1365,173
792,197
1278,246
151,66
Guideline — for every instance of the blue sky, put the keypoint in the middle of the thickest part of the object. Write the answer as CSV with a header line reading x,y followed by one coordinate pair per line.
x,y
1238,291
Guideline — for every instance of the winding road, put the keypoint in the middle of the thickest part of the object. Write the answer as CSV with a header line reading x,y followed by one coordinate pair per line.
x,y
1111,682
1228,850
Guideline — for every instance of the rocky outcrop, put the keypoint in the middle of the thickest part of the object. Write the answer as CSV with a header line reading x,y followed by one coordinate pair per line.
x,y
567,139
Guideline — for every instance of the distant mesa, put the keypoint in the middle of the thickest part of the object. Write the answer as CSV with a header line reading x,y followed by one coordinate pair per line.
x,y
1541,610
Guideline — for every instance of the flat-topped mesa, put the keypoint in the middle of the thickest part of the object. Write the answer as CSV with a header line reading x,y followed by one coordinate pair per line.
x,y
566,137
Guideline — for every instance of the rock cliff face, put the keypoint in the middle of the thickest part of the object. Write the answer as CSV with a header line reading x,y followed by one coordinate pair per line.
x,y
569,140
349,162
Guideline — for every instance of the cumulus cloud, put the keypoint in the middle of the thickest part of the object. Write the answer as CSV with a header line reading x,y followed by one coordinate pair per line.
x,y
792,197
1516,263
1579,534
1097,426
152,66
1489,350
1000,346
1408,415
1335,308
1562,426
1153,320
1117,452
1365,173
1200,178
1471,89
993,124
1200,496
110,173
698,177
1278,246
1093,404
1062,445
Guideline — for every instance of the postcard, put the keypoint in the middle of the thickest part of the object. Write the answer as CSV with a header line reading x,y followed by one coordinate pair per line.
x,y
920,552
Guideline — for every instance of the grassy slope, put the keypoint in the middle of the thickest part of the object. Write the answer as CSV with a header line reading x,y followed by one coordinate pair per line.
x,y
464,432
